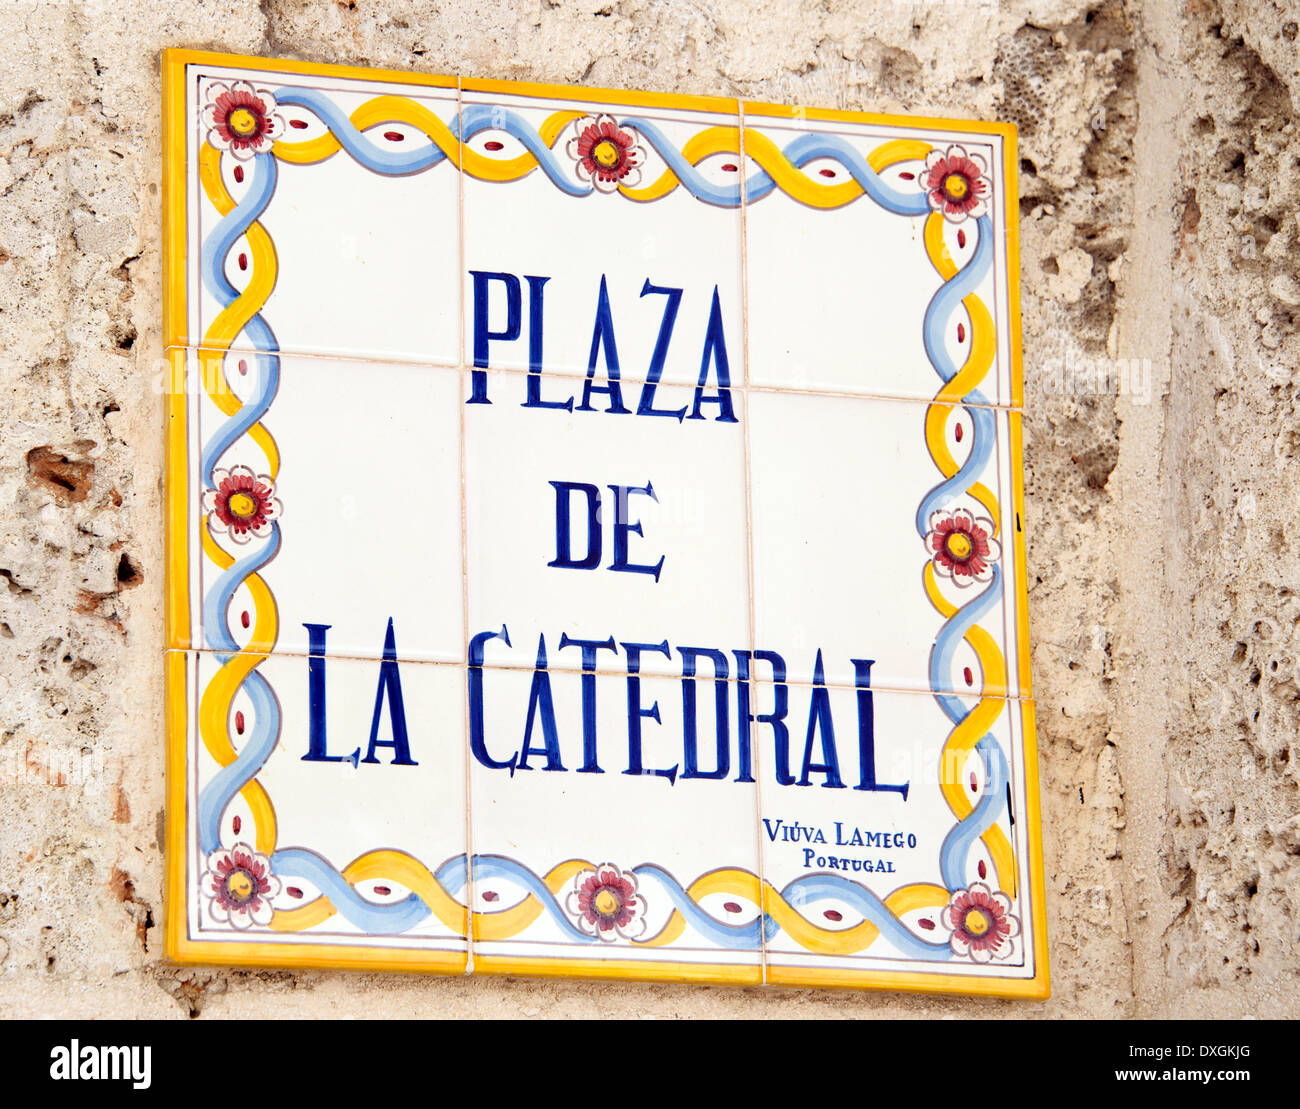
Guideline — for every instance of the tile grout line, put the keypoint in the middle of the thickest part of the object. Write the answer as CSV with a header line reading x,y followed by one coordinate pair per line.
x,y
576,671
464,532
748,737
560,374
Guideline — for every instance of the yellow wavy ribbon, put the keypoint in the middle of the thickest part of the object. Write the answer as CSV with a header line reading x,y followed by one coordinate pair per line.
x,y
500,924
788,177
388,864
232,319
961,742
704,144
214,706
982,350
823,941
504,924
398,109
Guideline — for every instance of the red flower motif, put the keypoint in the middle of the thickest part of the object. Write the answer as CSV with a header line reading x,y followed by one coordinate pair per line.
x,y
606,903
242,504
963,546
606,155
981,924
240,886
957,183
241,118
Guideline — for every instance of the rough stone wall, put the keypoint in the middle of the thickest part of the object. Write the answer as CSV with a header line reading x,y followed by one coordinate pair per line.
x,y
1160,177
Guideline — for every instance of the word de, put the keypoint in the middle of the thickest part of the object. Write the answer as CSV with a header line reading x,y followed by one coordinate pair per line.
x,y
624,527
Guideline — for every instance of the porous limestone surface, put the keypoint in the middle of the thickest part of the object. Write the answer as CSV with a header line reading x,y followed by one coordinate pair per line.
x,y
1160,189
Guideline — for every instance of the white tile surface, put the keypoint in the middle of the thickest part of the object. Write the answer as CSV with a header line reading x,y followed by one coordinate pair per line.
x,y
695,522
840,498
370,524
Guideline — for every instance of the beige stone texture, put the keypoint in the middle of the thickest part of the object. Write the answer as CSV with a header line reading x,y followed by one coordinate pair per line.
x,y
1160,174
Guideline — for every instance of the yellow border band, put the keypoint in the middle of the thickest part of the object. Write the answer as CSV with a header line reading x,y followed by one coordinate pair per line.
x,y
176,670
913,123
174,179
317,956
176,540
1016,527
180,947
1011,208
1034,817
1037,988
719,105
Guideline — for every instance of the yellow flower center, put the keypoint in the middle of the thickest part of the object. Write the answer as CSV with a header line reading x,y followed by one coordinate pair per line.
x,y
606,153
607,902
240,885
242,505
243,122
959,544
956,186
977,922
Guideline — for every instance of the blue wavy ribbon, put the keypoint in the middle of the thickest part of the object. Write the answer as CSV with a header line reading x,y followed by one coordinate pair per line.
x,y
485,117
215,629
384,160
734,937
813,887
229,780
799,152
956,846
218,792
945,303
376,920
955,850
218,245
477,118
954,629
400,916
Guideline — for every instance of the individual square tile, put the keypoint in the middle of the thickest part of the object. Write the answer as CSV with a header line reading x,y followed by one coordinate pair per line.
x,y
887,539
349,475
323,802
614,826
343,237
568,267
879,811
856,284
608,528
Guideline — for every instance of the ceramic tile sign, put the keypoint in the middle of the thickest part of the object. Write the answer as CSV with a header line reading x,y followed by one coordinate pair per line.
x,y
596,539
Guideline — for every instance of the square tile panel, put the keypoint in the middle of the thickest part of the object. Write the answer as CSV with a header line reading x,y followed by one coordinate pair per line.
x,y
350,469
567,266
879,811
341,238
331,788
654,864
594,533
864,279
609,530
889,532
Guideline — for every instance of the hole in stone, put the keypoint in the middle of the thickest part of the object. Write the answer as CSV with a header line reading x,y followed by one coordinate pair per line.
x,y
128,574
